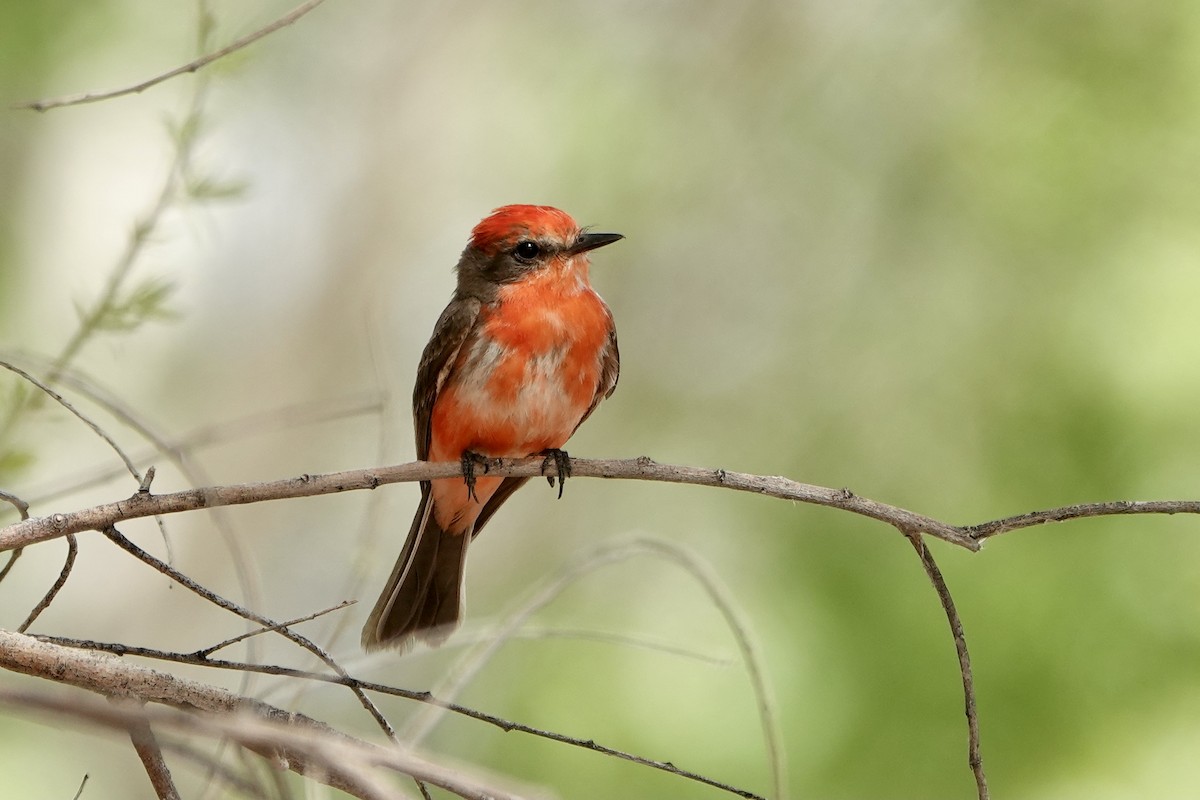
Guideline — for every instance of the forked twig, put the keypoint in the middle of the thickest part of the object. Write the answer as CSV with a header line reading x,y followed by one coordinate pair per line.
x,y
45,388
610,553
503,724
72,548
40,529
276,628
125,544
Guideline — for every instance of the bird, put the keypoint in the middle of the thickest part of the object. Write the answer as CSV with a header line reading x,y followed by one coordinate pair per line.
x,y
520,357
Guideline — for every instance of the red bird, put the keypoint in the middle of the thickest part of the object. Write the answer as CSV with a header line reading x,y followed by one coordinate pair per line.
x,y
523,353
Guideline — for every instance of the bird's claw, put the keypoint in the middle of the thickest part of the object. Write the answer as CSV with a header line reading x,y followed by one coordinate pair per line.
x,y
469,461
562,468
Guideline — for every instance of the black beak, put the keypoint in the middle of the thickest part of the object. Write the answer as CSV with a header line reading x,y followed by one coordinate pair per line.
x,y
590,241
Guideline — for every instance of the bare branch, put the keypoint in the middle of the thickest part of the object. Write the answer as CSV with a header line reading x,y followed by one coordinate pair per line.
x,y
985,530
503,724
117,538
974,756
451,687
40,529
292,740
192,66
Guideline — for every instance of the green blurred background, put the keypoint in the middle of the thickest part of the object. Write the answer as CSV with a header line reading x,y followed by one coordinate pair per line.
x,y
945,254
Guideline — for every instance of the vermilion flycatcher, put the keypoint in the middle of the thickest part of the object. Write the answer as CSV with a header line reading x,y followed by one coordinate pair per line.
x,y
523,353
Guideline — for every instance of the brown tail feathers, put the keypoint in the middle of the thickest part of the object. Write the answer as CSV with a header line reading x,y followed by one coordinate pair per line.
x,y
423,596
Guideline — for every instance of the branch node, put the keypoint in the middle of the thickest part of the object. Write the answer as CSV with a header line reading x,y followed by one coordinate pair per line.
x,y
144,486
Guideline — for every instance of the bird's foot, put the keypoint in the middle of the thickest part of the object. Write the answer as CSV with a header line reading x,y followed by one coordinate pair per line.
x,y
470,461
562,467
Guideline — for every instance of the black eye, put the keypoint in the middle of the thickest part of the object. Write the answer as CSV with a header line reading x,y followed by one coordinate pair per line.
x,y
527,250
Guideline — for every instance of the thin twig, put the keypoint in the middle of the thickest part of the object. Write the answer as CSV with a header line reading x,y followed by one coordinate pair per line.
x,y
177,449
23,509
63,574
974,755
240,558
752,658
20,505
12,560
236,785
985,530
503,724
191,66
82,783
421,725
532,633
183,580
44,387
148,750
41,529
279,626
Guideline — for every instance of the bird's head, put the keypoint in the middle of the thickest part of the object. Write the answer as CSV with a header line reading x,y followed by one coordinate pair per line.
x,y
517,241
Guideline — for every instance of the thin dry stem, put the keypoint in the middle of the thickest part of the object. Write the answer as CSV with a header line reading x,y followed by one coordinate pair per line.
x,y
20,505
59,583
986,530
125,544
23,509
974,754
277,627
503,724
146,745
40,529
469,666
44,388
191,66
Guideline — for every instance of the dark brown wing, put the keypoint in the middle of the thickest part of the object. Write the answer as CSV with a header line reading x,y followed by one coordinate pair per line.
x,y
452,329
423,596
610,370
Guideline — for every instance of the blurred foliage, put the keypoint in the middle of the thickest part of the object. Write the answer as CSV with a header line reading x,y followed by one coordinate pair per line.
x,y
945,255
